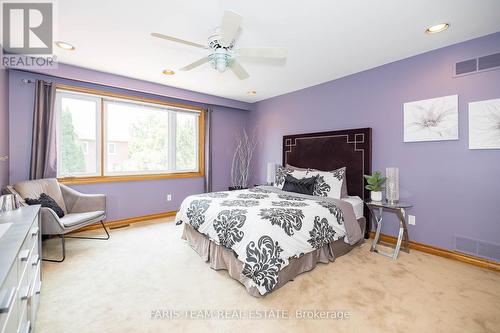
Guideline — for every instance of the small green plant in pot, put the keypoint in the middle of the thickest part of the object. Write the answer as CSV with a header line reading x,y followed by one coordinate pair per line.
x,y
375,183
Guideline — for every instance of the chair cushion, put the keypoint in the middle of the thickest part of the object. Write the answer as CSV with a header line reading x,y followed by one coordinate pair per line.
x,y
74,219
34,188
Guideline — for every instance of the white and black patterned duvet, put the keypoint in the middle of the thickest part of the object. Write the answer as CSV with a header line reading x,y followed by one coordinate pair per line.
x,y
266,226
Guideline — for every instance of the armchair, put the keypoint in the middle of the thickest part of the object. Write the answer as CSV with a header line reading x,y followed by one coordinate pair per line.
x,y
80,209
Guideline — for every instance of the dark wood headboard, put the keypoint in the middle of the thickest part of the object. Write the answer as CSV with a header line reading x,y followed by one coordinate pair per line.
x,y
326,151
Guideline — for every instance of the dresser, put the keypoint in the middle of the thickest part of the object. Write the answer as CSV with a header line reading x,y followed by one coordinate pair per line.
x,y
20,279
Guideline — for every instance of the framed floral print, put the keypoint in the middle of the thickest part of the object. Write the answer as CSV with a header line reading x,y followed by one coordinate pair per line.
x,y
433,119
484,124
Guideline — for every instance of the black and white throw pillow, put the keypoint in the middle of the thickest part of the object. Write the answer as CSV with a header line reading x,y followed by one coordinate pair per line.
x,y
328,183
303,186
46,200
282,172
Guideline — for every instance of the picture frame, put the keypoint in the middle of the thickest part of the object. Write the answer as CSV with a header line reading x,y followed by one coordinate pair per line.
x,y
434,119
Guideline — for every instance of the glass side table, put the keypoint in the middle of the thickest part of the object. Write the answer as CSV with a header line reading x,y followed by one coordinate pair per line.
x,y
377,208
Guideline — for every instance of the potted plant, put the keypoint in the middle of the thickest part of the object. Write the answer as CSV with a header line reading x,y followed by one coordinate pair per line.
x,y
375,183
240,167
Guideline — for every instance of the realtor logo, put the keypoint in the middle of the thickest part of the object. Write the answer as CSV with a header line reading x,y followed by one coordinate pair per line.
x,y
27,28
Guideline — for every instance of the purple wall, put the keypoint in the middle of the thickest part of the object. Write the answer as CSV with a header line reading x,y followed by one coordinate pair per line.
x,y
454,190
124,199
4,126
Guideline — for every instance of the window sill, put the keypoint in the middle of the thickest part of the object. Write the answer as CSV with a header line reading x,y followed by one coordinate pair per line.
x,y
129,178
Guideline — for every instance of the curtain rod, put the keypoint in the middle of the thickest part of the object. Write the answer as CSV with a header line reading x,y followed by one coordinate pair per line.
x,y
31,81
114,99
206,104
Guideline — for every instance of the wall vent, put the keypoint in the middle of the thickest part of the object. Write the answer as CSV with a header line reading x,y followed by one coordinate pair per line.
x,y
477,248
477,65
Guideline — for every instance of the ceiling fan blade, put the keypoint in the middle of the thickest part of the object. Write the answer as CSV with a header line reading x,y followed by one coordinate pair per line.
x,y
229,27
237,69
194,64
263,52
178,40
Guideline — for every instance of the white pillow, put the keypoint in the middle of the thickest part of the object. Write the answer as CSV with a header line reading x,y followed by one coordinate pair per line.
x,y
282,172
344,192
328,183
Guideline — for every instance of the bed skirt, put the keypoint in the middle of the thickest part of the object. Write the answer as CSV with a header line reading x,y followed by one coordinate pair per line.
x,y
221,257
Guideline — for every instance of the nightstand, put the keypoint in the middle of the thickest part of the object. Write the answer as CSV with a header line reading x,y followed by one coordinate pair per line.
x,y
377,208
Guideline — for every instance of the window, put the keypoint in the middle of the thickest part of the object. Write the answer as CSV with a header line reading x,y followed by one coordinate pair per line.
x,y
85,147
111,148
78,122
110,137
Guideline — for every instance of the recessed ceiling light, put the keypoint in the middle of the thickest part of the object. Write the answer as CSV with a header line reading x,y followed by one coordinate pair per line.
x,y
437,28
168,72
251,92
65,46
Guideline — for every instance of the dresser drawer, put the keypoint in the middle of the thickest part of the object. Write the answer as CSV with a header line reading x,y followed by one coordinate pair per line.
x,y
12,321
34,300
27,258
25,327
30,239
23,291
7,295
22,263
34,233
20,249
33,261
24,323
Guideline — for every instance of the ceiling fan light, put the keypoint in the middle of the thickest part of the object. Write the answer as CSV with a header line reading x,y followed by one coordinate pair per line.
x,y
221,64
220,61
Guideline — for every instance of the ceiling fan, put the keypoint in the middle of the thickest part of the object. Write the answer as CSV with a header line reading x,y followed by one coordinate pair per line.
x,y
221,44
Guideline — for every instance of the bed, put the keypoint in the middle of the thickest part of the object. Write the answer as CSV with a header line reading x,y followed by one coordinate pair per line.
x,y
264,236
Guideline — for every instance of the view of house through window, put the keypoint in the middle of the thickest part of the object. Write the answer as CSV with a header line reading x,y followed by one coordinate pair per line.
x,y
78,135
137,138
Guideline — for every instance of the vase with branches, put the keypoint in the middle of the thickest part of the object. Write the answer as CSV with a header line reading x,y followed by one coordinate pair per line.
x,y
240,166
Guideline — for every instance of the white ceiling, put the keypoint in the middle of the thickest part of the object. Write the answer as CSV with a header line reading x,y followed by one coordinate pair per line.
x,y
325,39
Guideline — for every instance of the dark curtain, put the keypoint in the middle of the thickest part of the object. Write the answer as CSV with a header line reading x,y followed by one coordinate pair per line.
x,y
43,162
208,149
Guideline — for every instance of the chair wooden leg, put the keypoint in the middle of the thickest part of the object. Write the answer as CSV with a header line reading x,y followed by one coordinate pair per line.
x,y
63,242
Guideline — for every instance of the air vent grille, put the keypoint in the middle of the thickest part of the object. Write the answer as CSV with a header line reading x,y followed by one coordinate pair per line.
x,y
488,62
477,248
466,245
467,66
477,65
488,250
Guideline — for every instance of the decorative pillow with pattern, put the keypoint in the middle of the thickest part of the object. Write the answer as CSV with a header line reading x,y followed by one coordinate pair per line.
x,y
282,172
344,192
328,183
304,185
46,200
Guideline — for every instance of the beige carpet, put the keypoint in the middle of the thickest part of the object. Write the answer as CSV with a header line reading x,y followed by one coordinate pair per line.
x,y
113,286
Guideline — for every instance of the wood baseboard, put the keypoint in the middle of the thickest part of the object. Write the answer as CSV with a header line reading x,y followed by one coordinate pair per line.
x,y
127,221
476,261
